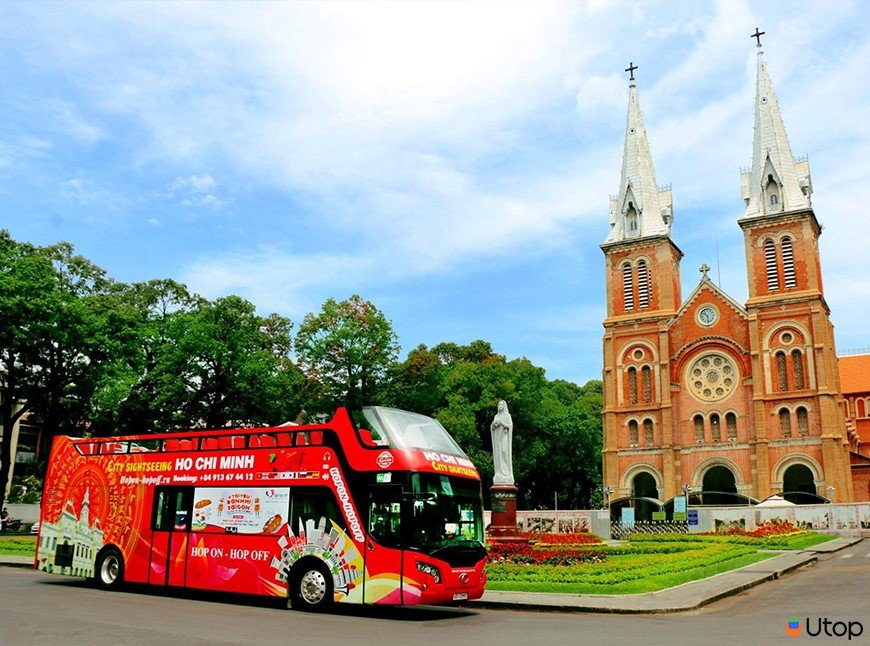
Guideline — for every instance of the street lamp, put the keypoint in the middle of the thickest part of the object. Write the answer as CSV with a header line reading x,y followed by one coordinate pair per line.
x,y
831,490
607,491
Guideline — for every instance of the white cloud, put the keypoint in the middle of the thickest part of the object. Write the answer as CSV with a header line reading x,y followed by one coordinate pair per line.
x,y
438,135
64,117
196,190
601,94
83,191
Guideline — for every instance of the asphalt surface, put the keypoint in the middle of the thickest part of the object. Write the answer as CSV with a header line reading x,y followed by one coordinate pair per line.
x,y
677,599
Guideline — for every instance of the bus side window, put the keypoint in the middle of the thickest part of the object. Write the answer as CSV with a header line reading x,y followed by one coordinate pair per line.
x,y
312,507
172,508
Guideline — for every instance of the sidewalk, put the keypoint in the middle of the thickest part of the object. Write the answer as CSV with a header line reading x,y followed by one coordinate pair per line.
x,y
687,596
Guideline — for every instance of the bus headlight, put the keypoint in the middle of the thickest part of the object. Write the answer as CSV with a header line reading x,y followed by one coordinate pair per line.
x,y
431,570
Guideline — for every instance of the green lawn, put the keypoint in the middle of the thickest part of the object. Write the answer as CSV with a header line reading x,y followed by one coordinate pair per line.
x,y
17,545
647,564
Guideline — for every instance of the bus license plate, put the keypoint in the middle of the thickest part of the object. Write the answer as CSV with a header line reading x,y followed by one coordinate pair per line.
x,y
460,596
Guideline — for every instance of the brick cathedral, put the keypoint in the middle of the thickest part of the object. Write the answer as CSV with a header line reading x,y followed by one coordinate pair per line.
x,y
705,391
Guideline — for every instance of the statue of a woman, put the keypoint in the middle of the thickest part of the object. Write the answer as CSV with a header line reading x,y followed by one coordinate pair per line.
x,y
502,428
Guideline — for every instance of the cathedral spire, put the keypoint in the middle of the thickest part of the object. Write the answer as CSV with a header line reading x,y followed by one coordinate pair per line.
x,y
640,209
775,183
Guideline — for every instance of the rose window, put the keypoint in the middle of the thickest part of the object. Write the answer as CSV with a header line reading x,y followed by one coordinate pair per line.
x,y
712,377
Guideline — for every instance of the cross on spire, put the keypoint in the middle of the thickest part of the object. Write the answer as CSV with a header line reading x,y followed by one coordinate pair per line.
x,y
630,69
704,269
757,36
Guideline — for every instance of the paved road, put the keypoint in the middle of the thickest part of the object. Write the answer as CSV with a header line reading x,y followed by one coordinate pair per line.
x,y
39,609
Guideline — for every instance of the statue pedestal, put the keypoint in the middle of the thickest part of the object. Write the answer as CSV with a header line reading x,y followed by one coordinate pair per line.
x,y
503,526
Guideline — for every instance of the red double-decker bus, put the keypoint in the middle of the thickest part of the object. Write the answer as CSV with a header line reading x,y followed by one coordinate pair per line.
x,y
387,510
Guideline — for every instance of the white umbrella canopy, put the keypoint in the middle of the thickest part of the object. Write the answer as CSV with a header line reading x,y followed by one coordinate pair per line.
x,y
775,501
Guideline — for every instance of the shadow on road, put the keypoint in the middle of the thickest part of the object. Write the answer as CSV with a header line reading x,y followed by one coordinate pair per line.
x,y
389,613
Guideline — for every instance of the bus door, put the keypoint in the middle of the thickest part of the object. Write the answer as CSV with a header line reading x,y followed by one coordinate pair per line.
x,y
171,525
383,552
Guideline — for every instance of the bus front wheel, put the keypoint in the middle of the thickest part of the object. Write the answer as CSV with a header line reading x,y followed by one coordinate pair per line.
x,y
312,586
109,569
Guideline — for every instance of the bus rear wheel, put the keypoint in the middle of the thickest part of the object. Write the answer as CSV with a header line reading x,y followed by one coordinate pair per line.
x,y
312,587
109,569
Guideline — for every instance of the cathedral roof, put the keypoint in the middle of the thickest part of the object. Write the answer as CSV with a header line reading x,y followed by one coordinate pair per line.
x,y
774,169
855,374
640,209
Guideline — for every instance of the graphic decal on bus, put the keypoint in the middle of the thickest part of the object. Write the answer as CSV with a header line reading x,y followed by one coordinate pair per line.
x,y
333,546
242,511
75,539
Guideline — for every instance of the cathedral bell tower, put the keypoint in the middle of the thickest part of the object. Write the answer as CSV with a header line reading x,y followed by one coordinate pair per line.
x,y
642,274
797,401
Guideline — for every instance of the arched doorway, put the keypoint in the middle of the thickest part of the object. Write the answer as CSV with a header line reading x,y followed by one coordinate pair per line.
x,y
719,486
644,486
798,477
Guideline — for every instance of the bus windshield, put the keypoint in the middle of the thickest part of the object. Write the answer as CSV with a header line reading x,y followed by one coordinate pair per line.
x,y
444,511
404,430
438,515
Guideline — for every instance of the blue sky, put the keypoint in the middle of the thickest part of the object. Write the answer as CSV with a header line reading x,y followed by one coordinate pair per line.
x,y
450,162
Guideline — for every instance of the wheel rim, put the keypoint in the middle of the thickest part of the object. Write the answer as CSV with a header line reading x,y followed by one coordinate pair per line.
x,y
312,587
109,570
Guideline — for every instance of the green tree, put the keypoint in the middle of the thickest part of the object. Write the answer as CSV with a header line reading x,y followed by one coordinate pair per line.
x,y
176,360
45,367
235,365
346,351
557,424
139,389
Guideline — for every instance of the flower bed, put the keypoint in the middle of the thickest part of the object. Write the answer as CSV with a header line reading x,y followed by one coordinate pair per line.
x,y
764,531
577,538
538,553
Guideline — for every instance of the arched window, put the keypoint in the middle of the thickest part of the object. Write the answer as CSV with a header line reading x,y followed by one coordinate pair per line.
x,y
632,433
771,189
648,432
715,428
785,422
647,384
632,385
788,274
731,423
797,361
643,290
627,287
803,421
781,372
699,429
860,408
631,223
770,265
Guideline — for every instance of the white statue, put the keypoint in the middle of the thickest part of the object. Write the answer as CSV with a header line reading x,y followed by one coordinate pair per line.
x,y
502,428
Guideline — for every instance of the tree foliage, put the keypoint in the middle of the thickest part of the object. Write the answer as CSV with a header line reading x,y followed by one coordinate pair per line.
x,y
346,350
557,424
87,355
